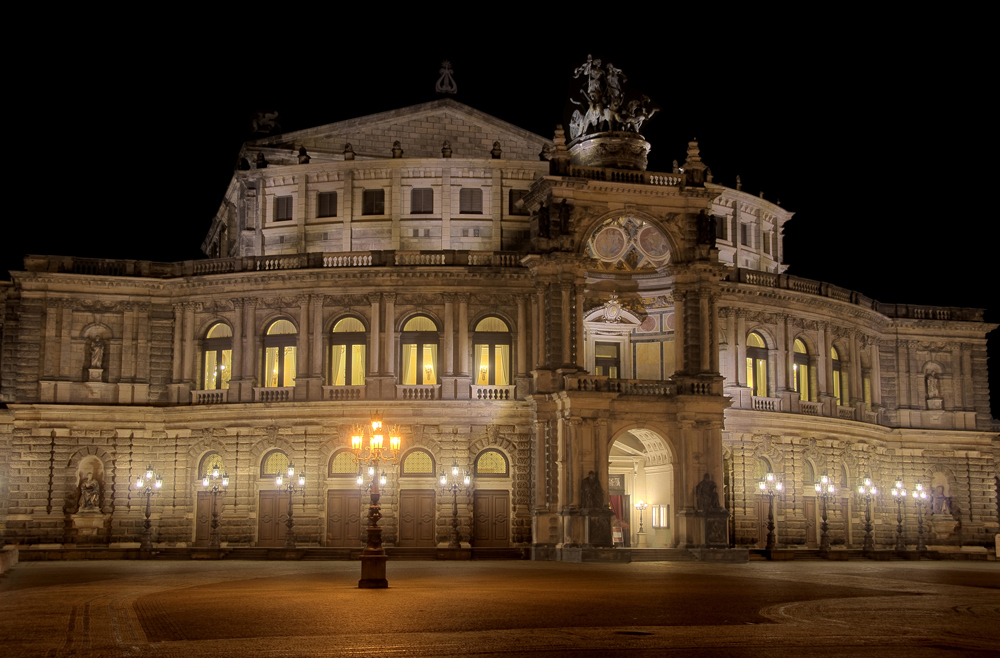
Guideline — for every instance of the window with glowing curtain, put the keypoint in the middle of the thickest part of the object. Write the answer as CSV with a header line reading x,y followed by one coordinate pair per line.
x,y
218,362
347,353
607,361
279,354
800,367
839,377
491,352
419,352
757,364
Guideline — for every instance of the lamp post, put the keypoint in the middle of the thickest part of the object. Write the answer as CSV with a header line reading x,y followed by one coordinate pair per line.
x,y
641,506
455,487
867,492
899,495
770,486
373,557
291,488
215,485
827,490
919,496
148,484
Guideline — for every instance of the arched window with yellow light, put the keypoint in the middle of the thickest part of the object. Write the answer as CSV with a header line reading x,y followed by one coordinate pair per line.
x,y
492,463
348,348
210,462
417,462
274,463
800,369
419,351
757,364
491,352
217,361
279,354
342,464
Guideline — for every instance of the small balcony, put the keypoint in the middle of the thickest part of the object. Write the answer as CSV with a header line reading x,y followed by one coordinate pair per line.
x,y
497,393
420,392
344,393
210,397
278,394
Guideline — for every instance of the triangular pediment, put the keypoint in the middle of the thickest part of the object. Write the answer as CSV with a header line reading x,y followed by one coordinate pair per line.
x,y
421,131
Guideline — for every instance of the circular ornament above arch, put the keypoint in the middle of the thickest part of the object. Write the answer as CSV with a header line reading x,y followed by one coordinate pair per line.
x,y
628,244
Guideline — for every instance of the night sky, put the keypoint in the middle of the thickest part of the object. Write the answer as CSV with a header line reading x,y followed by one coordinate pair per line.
x,y
875,140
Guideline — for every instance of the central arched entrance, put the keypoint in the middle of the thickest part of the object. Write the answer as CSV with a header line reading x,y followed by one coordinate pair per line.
x,y
640,468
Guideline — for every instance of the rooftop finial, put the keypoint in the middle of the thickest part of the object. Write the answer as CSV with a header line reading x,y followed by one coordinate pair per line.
x,y
446,83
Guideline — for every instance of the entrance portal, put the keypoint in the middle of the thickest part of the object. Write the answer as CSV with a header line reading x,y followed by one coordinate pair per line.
x,y
271,517
416,518
641,469
491,519
343,518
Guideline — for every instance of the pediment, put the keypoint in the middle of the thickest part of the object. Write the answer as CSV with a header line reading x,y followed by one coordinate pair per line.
x,y
421,131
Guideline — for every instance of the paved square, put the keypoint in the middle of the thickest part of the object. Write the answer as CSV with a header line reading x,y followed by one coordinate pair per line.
x,y
249,609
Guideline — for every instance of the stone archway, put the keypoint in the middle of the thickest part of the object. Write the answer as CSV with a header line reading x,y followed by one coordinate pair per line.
x,y
641,468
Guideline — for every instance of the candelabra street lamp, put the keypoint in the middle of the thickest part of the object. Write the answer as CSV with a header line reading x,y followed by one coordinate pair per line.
x,y
827,490
867,492
919,496
641,506
455,487
373,557
291,488
899,495
215,482
148,484
770,486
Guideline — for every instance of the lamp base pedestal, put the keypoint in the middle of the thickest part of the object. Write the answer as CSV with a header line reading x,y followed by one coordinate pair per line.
x,y
373,572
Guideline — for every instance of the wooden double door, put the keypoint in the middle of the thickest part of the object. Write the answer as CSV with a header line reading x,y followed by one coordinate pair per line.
x,y
203,519
272,514
345,518
417,518
491,519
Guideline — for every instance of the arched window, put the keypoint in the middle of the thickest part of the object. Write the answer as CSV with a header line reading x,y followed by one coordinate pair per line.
x,y
418,462
808,478
347,353
217,363
800,368
419,351
757,364
839,377
208,464
342,464
491,352
274,463
279,354
492,463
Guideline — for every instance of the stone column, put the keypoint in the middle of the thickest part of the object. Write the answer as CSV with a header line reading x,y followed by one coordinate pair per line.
x,y
449,333
302,365
128,343
783,380
348,208
567,326
734,378
680,326
249,340
706,337
876,375
741,348
187,365
463,334
540,356
316,313
176,371
957,376
855,382
967,382
903,373
237,361
51,342
390,332
713,346
375,300
822,361
66,341
522,337
446,208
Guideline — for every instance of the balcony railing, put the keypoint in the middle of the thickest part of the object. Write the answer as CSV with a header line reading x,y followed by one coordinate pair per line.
x,y
344,393
210,397
846,413
420,392
492,392
765,404
811,408
604,384
282,394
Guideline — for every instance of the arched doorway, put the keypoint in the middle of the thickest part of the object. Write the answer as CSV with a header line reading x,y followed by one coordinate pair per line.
x,y
640,468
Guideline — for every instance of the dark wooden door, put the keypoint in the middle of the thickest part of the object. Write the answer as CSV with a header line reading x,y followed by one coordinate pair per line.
x,y
416,518
491,519
343,518
812,531
271,517
760,506
203,519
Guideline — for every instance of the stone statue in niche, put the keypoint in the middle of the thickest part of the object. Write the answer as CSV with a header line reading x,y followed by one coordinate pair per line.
x,y
591,493
706,229
90,494
707,495
96,352
933,386
940,503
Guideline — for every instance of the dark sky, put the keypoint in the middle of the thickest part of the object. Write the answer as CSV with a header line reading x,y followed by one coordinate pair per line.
x,y
876,134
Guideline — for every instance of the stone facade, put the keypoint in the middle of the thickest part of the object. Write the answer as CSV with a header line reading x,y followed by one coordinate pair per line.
x,y
630,300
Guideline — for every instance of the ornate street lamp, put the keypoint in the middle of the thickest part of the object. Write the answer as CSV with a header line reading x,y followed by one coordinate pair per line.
x,y
216,485
455,487
770,486
641,506
899,494
291,488
373,557
867,492
148,484
919,496
827,490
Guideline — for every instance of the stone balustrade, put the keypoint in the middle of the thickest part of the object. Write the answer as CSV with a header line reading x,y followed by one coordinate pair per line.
x,y
419,392
344,393
613,175
281,394
499,393
210,397
811,408
765,404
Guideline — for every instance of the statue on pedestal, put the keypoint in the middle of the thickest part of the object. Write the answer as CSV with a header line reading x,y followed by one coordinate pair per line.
x,y
707,495
96,352
90,494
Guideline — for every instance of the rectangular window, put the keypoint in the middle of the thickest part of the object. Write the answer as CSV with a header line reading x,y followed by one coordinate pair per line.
x,y
282,208
327,204
720,228
470,201
744,235
606,360
373,202
767,243
515,196
422,201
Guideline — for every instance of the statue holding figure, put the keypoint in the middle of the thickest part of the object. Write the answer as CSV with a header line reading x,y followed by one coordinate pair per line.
x,y
96,352
707,495
604,105
591,492
90,494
